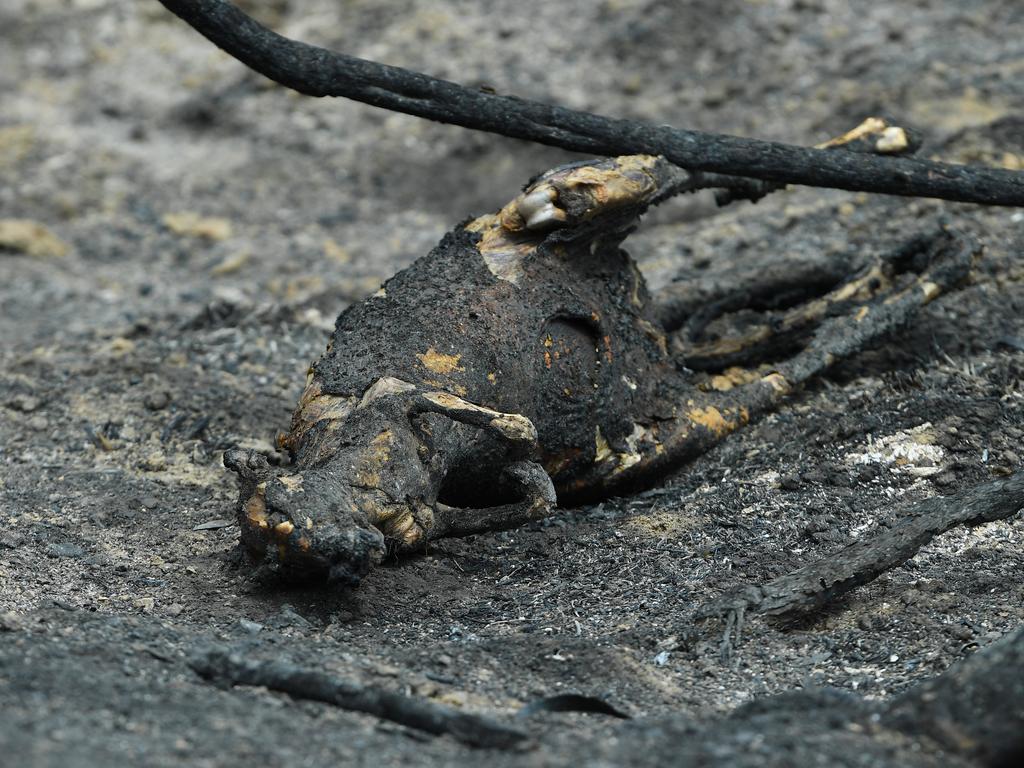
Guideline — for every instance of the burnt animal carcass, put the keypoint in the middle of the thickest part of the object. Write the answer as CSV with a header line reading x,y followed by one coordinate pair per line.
x,y
522,361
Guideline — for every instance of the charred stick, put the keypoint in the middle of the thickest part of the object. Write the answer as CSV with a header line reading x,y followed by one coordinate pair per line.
x,y
824,581
229,669
319,72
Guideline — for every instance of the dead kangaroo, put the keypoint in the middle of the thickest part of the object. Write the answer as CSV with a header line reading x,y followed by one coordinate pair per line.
x,y
523,361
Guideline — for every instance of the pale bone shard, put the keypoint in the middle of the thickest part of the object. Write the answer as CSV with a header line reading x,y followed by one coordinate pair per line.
x,y
884,138
384,386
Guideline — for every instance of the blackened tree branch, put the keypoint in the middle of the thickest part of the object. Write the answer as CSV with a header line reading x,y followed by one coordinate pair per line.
x,y
319,72
824,581
227,668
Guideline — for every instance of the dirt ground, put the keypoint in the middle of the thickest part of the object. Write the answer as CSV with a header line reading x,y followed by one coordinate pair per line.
x,y
198,231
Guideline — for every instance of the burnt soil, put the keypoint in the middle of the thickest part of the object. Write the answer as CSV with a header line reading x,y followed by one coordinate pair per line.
x,y
140,344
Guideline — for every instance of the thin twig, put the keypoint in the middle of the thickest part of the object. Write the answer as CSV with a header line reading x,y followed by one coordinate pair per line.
x,y
319,72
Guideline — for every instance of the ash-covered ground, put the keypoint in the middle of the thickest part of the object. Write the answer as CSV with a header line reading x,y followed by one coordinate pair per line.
x,y
177,235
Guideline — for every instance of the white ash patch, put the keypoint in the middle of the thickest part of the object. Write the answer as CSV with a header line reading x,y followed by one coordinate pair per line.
x,y
912,451
769,479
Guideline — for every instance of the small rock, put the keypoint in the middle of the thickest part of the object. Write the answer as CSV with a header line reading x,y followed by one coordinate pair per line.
x,y
11,622
119,346
191,224
1011,457
69,551
662,658
961,632
175,609
923,471
31,238
149,501
443,679
790,482
427,689
154,462
252,627
230,263
287,618
910,597
457,699
25,403
157,401
11,540
145,603
935,586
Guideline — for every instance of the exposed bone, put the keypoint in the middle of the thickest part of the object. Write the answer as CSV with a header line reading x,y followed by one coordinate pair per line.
x,y
513,427
538,209
384,386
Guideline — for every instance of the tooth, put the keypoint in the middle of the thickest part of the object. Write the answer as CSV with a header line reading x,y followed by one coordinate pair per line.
x,y
545,216
531,202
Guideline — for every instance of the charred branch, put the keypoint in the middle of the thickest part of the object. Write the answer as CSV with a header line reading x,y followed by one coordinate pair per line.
x,y
230,669
822,582
972,714
317,71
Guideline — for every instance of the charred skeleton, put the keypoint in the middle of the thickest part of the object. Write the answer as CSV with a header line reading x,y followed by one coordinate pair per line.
x,y
524,360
